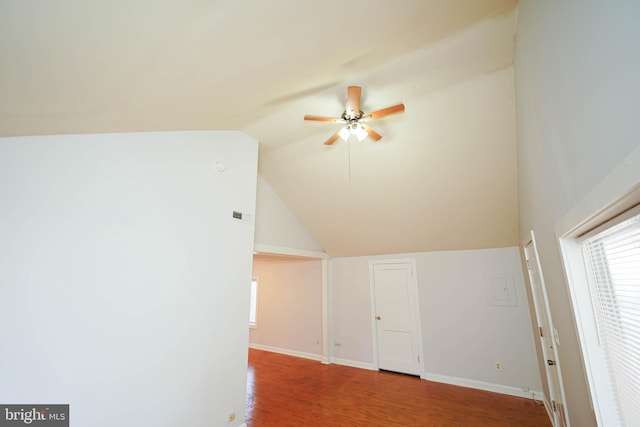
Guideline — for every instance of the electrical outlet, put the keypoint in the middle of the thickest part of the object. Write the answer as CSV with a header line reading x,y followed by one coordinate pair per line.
x,y
231,417
498,366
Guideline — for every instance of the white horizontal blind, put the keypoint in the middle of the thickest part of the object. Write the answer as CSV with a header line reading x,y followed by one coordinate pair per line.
x,y
613,256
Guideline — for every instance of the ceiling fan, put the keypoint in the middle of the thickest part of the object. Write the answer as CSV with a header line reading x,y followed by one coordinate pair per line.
x,y
355,119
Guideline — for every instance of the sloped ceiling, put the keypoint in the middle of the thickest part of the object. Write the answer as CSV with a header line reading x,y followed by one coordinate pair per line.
x,y
443,177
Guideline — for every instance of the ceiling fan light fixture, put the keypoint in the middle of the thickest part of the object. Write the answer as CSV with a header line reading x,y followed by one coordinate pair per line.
x,y
353,128
359,132
345,133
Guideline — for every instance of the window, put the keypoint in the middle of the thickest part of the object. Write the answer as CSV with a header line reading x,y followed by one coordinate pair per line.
x,y
597,238
253,307
612,258
601,252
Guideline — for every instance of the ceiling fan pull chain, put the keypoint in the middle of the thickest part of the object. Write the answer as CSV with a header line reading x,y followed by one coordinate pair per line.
x,y
349,156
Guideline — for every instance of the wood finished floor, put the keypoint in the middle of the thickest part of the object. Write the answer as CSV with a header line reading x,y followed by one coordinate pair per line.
x,y
290,391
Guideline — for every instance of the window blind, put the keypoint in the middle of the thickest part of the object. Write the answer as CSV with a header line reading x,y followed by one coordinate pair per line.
x,y
613,258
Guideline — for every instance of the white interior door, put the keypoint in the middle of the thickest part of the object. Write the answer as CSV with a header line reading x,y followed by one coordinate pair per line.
x,y
396,317
547,334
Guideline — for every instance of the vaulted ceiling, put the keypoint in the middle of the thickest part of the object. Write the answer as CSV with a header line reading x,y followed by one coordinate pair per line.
x,y
444,174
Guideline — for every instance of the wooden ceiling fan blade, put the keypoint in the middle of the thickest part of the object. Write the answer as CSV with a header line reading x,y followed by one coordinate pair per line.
x,y
372,133
384,112
324,119
353,100
332,139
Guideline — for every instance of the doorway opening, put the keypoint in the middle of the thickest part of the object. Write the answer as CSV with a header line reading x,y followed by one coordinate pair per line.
x,y
290,306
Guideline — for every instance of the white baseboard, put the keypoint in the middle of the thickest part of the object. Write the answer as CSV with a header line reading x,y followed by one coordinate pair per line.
x,y
353,363
286,351
243,425
480,385
538,395
318,357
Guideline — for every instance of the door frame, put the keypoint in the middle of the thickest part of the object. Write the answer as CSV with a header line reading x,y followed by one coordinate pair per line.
x,y
265,249
413,283
541,308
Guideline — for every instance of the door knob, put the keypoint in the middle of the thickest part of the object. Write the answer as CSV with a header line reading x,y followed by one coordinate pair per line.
x,y
378,317
551,362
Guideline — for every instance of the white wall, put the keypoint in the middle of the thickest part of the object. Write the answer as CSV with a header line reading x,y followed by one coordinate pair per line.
x,y
123,275
276,225
463,336
289,307
577,79
350,311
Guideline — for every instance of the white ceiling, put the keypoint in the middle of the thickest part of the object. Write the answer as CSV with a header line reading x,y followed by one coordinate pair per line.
x,y
444,174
